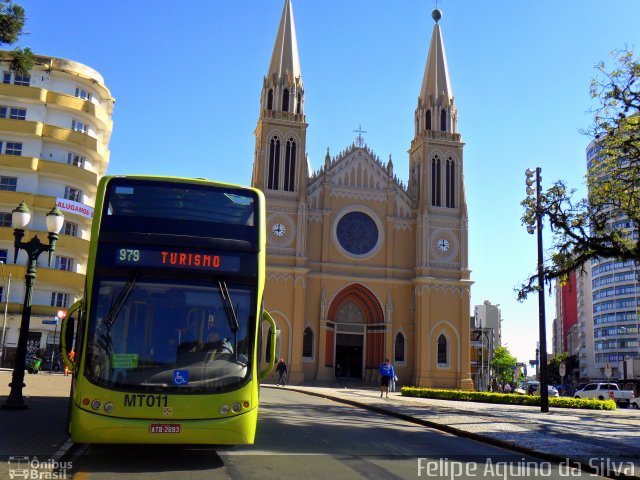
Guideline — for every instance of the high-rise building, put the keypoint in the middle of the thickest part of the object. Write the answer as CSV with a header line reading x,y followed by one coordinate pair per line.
x,y
361,267
55,126
566,313
614,294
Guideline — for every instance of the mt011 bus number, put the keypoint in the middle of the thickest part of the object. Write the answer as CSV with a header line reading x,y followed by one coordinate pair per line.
x,y
129,255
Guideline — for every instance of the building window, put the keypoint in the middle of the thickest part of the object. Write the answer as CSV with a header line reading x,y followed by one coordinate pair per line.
x,y
5,219
4,253
270,99
299,104
70,229
9,183
443,120
14,113
64,263
285,100
13,148
71,193
59,299
307,343
399,348
78,126
23,80
290,165
450,184
83,94
75,159
428,120
443,353
435,181
274,164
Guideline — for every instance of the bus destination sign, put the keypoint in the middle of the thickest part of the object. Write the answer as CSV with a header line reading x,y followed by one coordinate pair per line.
x,y
176,258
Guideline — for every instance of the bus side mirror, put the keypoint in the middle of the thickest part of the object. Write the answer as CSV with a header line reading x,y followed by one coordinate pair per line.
x,y
271,344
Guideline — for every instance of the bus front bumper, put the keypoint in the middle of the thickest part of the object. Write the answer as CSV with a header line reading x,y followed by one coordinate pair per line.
x,y
87,427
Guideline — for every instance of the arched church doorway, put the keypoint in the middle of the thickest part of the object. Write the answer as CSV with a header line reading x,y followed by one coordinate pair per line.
x,y
358,333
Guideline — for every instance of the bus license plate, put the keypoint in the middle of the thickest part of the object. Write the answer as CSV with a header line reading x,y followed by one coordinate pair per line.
x,y
165,428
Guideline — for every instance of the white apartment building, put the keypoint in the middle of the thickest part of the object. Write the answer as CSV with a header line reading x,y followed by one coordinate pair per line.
x,y
55,126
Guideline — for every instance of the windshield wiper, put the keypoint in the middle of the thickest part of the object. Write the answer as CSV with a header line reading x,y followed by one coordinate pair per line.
x,y
232,317
121,300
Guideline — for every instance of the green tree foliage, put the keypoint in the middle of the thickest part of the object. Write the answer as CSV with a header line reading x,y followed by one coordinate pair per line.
x,y
503,363
12,18
570,361
584,229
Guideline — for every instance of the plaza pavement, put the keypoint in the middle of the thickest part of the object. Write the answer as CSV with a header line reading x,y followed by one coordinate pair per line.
x,y
607,440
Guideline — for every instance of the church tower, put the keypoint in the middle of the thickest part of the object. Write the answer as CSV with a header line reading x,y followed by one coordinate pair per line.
x,y
280,171
436,187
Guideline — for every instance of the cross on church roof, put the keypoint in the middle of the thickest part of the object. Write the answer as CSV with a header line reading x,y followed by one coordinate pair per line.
x,y
360,138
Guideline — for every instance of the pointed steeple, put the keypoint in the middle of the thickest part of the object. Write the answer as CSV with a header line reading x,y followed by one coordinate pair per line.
x,y
436,108
283,89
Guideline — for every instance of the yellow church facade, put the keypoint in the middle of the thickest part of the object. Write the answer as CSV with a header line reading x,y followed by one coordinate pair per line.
x,y
361,266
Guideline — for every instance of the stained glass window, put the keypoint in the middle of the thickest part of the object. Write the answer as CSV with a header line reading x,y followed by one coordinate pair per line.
x,y
357,233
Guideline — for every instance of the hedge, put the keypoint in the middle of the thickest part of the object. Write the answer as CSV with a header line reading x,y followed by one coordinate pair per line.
x,y
506,398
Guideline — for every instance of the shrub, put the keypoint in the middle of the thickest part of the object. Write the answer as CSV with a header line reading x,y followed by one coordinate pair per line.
x,y
505,398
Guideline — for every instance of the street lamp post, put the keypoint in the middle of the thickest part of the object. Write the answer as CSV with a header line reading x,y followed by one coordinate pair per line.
x,y
20,218
5,292
534,217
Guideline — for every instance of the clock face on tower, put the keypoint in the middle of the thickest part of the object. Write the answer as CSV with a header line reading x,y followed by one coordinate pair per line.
x,y
443,245
278,230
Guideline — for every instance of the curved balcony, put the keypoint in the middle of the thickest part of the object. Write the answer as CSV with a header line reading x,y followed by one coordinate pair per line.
x,y
77,104
24,127
67,135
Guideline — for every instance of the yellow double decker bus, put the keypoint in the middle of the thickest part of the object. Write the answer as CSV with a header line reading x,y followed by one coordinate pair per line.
x,y
167,337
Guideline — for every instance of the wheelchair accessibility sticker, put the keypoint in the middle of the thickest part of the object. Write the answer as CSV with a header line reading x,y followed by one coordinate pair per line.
x,y
180,377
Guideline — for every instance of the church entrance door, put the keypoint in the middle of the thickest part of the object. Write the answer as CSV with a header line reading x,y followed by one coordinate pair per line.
x,y
349,355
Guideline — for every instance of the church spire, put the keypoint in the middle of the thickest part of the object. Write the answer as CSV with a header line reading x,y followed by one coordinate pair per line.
x,y
436,108
283,89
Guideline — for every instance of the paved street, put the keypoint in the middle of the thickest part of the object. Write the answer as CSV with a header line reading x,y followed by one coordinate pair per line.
x,y
302,436
302,431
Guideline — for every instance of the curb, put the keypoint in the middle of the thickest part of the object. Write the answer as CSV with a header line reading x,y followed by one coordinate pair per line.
x,y
458,432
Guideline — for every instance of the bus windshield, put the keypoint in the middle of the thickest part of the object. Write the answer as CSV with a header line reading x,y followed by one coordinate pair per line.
x,y
158,334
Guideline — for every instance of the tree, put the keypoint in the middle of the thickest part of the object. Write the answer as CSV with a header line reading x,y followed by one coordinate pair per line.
x,y
503,364
586,228
12,20
571,363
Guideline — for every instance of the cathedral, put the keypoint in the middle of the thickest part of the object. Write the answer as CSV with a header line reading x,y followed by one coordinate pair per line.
x,y
361,267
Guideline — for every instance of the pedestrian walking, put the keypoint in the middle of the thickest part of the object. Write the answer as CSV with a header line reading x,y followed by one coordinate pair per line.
x,y
386,374
282,372
507,388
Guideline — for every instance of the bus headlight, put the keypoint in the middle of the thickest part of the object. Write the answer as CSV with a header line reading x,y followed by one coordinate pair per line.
x,y
96,404
224,409
236,407
109,407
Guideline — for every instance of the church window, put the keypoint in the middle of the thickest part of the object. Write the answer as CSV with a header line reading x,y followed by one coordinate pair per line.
x,y
299,104
399,348
451,182
435,181
274,163
285,100
427,120
443,120
443,353
357,233
290,165
307,343
270,99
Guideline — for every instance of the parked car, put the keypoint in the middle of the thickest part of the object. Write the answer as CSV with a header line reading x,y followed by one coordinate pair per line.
x,y
553,391
604,391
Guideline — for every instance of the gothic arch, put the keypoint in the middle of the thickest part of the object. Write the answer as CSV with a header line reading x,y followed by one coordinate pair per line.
x,y
373,314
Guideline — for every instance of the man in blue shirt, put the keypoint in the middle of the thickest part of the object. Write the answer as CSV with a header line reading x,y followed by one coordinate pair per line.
x,y
386,374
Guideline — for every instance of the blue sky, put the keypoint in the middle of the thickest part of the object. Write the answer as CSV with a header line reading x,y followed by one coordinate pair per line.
x,y
187,76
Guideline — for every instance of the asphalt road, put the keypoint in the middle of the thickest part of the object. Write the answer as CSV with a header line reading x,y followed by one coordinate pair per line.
x,y
306,437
